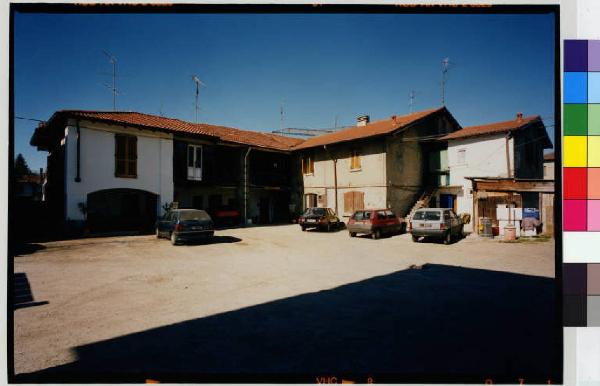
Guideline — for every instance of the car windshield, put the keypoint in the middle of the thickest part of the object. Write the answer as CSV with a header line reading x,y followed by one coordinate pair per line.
x,y
427,215
197,215
315,211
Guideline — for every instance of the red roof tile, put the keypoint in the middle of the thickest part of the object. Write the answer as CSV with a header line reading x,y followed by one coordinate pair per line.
x,y
492,128
226,134
373,129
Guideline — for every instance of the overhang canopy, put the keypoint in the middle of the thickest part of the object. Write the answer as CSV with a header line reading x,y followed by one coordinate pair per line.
x,y
512,185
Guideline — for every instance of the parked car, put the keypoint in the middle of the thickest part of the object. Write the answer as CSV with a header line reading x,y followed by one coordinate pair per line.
x,y
375,222
441,223
182,225
319,218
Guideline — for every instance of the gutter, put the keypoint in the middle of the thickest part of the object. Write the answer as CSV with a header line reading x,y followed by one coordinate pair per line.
x,y
246,186
335,184
78,176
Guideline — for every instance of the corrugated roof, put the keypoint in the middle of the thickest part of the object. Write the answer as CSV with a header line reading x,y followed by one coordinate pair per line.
x,y
226,134
492,128
376,128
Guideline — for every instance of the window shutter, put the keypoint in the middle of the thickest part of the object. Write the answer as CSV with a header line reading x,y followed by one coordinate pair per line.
x,y
348,202
359,200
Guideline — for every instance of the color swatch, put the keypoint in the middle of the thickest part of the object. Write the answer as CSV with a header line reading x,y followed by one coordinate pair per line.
x,y
581,136
581,295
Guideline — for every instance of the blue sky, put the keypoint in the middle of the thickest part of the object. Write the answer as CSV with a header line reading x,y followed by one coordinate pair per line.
x,y
323,66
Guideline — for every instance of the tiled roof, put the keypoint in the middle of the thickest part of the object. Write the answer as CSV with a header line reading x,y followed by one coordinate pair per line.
x,y
226,134
492,128
376,128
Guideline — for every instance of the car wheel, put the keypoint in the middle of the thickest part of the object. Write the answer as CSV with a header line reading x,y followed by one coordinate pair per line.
x,y
352,234
415,238
173,238
448,238
303,228
376,234
328,227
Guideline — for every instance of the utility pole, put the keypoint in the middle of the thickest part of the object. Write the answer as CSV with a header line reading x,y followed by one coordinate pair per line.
x,y
113,60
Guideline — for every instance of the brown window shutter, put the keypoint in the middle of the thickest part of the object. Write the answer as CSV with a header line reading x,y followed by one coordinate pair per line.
x,y
348,202
359,200
312,165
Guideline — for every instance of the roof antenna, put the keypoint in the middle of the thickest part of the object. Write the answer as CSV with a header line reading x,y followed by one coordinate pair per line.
x,y
411,100
445,67
198,84
281,114
113,60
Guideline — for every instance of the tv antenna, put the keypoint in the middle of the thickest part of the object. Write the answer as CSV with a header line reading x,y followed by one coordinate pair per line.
x,y
198,83
411,100
445,67
113,60
281,114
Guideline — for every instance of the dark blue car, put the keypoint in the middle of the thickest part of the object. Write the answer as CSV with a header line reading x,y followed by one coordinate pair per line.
x,y
182,225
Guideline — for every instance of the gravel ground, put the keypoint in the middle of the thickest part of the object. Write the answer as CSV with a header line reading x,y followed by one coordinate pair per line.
x,y
101,288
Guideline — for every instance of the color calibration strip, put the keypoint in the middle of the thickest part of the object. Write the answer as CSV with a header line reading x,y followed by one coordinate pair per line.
x,y
581,295
581,151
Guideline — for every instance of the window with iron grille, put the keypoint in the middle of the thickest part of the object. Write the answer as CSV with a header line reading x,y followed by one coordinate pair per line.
x,y
125,156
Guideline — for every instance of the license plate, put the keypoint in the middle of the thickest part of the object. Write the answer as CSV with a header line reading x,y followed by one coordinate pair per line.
x,y
311,220
197,228
425,225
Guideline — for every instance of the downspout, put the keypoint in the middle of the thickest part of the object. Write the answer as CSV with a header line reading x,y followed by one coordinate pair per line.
x,y
246,186
78,176
335,185
508,173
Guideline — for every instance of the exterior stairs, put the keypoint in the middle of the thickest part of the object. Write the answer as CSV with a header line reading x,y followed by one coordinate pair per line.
x,y
422,202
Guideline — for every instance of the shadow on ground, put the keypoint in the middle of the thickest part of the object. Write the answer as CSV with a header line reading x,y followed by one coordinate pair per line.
x,y
435,323
22,295
214,240
22,249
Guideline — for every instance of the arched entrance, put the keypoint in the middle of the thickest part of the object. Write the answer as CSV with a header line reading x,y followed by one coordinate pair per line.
x,y
121,210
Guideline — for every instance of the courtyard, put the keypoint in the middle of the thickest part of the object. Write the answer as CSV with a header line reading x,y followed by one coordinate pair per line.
x,y
276,300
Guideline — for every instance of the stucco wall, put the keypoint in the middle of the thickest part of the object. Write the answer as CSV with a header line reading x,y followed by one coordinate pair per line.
x,y
405,164
97,165
369,179
484,157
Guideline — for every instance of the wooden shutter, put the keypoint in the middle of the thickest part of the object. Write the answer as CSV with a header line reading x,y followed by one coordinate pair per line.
x,y
359,200
132,156
354,201
311,165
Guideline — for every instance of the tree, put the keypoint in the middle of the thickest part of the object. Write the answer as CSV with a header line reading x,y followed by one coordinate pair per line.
x,y
21,167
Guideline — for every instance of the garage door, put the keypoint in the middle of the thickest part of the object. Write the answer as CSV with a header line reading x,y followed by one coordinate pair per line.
x,y
121,210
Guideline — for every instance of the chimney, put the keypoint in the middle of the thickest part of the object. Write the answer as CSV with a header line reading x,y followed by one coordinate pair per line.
x,y
362,120
519,117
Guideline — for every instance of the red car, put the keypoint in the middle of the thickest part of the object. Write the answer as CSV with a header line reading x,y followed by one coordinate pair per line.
x,y
375,222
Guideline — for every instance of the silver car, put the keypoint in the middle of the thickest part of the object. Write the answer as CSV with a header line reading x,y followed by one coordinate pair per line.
x,y
441,223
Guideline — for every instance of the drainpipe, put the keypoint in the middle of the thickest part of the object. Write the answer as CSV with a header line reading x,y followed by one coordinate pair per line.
x,y
246,186
335,185
78,176
508,173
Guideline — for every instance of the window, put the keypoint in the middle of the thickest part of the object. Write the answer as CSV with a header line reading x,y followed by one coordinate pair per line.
x,y
308,165
390,214
353,201
125,156
354,160
381,215
194,163
461,157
